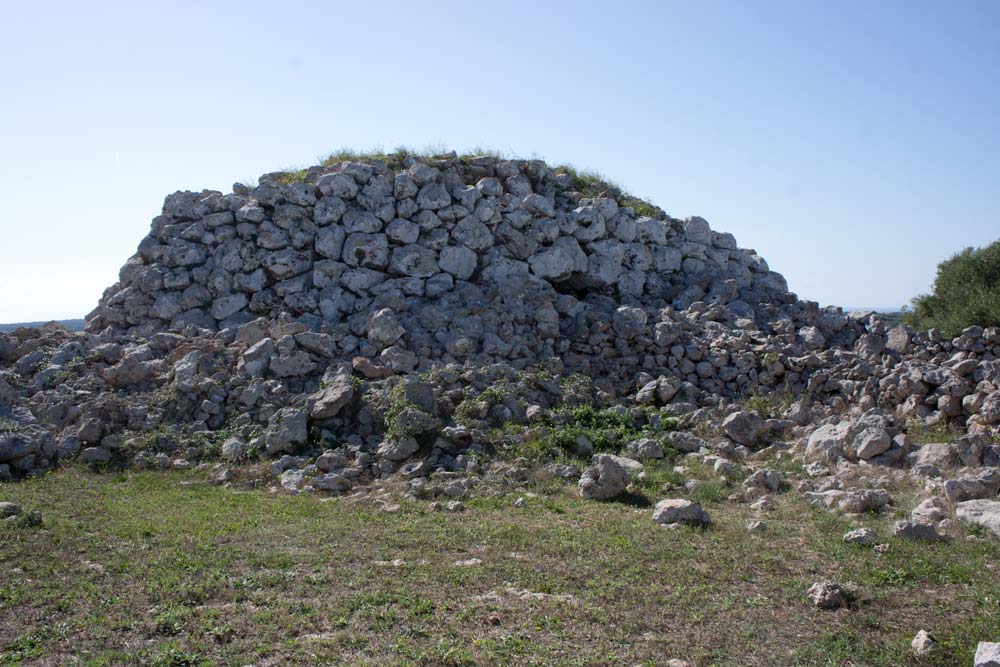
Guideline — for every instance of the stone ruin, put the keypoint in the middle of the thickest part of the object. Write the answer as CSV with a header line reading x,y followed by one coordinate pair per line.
x,y
286,317
413,264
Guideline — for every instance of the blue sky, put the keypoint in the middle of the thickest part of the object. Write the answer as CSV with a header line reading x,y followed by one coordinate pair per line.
x,y
853,144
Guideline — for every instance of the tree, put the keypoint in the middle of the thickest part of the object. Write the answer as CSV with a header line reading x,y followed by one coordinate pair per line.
x,y
966,292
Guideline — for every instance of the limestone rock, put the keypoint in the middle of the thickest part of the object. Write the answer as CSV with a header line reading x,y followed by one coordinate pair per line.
x,y
984,513
923,644
398,449
286,430
679,510
328,401
832,595
987,655
912,530
603,480
865,536
743,427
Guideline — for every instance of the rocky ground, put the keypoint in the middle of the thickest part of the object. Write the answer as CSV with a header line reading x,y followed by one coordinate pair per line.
x,y
430,330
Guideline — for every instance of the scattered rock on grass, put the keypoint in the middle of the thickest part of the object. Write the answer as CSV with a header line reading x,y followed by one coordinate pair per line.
x,y
680,510
983,513
912,530
604,480
987,655
832,595
9,509
923,644
865,536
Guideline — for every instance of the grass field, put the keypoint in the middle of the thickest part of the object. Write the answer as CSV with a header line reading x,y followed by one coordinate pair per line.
x,y
163,568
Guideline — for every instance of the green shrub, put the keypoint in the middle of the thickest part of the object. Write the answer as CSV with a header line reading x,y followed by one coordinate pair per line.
x,y
608,430
291,176
966,292
9,426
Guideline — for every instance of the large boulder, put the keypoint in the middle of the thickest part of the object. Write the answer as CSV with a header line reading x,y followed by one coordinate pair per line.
x,y
983,484
329,400
828,443
398,448
983,513
743,427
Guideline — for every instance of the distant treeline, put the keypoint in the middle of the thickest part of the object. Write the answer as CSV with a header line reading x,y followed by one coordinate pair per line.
x,y
73,325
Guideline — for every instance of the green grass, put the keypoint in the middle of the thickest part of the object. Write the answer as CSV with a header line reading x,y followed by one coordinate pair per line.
x,y
9,426
922,434
163,568
291,176
592,184
587,183
395,157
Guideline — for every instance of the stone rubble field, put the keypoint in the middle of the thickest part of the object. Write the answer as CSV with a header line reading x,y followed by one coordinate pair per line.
x,y
435,332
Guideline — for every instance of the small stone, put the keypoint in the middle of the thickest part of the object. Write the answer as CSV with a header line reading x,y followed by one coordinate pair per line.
x,y
865,536
987,655
8,509
832,595
680,510
922,644
756,526
454,506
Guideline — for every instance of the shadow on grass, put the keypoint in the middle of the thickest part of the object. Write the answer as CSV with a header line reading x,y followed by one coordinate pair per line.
x,y
631,499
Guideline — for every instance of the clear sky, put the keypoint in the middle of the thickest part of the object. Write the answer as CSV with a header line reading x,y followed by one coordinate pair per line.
x,y
853,144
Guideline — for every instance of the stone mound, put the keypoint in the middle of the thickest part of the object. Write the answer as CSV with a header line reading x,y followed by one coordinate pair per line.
x,y
434,319
415,262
